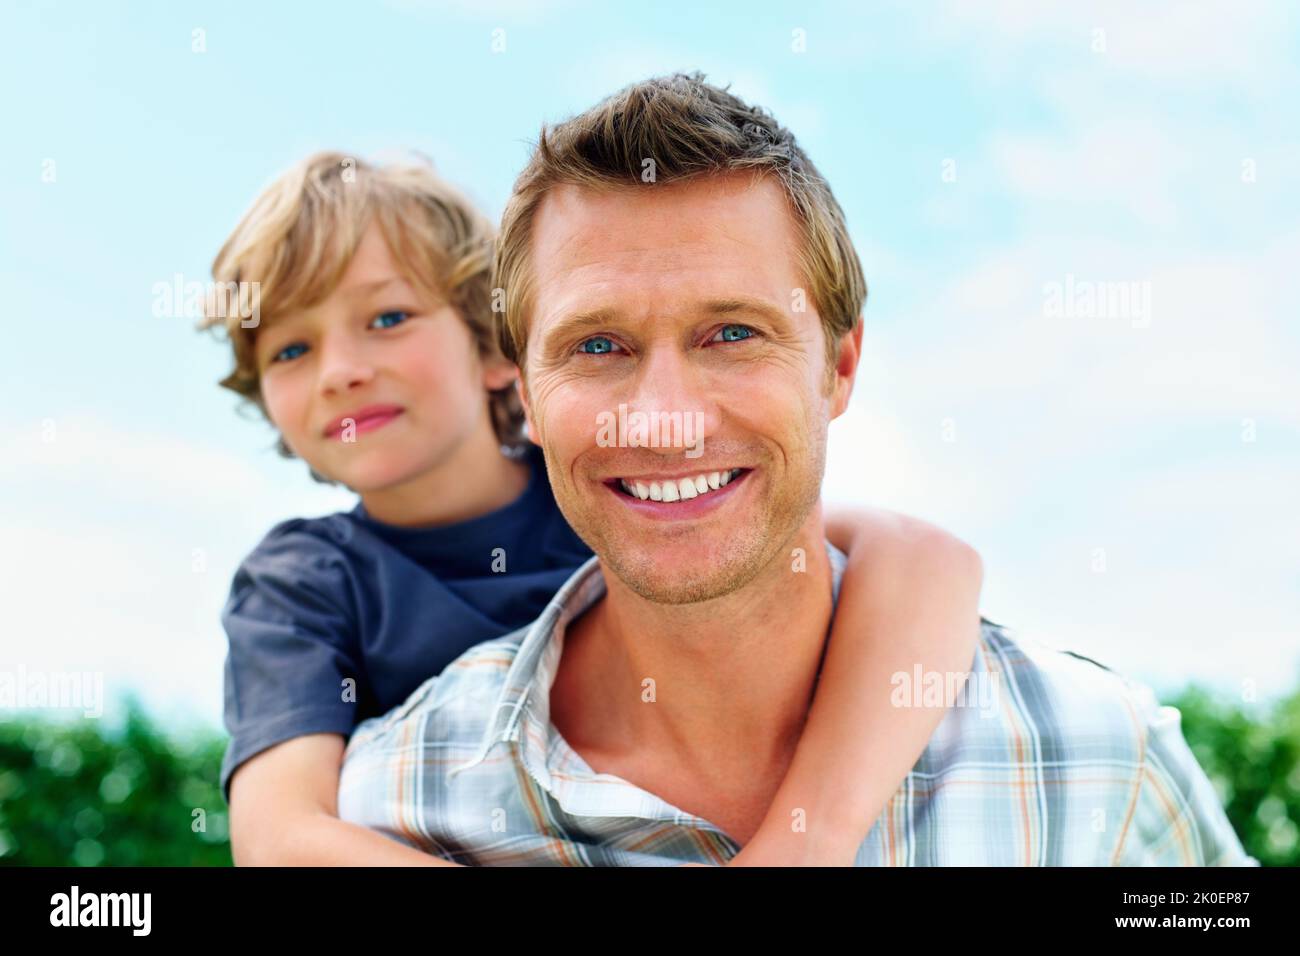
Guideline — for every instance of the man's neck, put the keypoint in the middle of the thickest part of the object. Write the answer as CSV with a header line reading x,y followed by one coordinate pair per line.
x,y
702,702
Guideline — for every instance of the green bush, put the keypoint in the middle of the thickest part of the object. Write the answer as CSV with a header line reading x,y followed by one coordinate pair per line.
x,y
78,793
1254,761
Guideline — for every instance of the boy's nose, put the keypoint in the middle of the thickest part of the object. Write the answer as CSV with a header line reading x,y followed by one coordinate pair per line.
x,y
339,373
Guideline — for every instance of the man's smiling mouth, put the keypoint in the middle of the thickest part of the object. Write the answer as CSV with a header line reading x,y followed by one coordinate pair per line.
x,y
677,489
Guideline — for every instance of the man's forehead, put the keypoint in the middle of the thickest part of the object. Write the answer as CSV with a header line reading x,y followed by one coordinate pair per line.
x,y
734,223
715,200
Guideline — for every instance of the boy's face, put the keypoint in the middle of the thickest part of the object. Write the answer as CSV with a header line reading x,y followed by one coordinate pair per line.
x,y
376,385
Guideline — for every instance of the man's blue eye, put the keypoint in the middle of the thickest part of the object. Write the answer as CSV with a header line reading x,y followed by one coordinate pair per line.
x,y
289,352
735,333
387,320
599,345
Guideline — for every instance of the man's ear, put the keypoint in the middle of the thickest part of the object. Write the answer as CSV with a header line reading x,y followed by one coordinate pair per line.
x,y
846,368
521,387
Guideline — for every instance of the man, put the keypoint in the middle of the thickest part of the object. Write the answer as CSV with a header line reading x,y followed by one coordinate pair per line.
x,y
673,249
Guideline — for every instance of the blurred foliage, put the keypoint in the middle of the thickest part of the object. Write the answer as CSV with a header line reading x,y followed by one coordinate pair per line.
x,y
1252,755
78,793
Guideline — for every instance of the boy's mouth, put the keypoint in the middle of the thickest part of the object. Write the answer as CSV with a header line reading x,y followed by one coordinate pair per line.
x,y
363,420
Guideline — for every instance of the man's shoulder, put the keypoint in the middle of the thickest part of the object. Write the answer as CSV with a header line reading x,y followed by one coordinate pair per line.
x,y
1074,675
465,690
1059,704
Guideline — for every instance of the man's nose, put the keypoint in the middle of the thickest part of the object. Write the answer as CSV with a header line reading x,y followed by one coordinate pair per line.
x,y
668,384
343,367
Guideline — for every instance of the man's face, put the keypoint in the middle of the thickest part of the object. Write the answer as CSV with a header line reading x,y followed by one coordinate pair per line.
x,y
681,299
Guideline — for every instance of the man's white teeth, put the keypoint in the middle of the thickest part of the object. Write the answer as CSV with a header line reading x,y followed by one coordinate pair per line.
x,y
682,489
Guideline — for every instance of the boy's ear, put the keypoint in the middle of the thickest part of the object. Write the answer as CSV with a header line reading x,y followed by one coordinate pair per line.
x,y
498,373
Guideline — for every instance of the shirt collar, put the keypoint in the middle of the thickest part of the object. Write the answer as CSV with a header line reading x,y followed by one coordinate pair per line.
x,y
533,670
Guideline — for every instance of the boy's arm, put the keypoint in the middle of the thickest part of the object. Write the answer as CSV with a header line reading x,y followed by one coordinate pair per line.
x,y
284,812
293,646
909,596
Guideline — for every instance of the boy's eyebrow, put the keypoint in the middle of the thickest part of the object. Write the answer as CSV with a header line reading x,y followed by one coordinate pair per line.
x,y
360,290
363,288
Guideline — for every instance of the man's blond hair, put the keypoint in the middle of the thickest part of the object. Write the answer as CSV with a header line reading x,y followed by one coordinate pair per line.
x,y
668,129
298,237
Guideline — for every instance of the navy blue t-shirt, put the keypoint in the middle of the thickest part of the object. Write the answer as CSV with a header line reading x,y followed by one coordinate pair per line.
x,y
321,600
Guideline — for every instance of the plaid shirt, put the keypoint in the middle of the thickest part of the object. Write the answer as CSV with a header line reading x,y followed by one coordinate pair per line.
x,y
1062,763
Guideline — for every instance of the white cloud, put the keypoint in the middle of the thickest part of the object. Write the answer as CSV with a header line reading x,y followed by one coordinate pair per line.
x,y
119,545
1201,46
1216,342
1198,562
1074,434
507,11
1125,163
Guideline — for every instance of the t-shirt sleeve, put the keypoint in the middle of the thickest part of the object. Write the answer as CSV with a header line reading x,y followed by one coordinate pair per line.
x,y
1177,819
290,625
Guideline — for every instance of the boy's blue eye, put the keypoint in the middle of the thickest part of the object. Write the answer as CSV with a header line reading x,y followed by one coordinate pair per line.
x,y
735,333
289,352
386,320
600,345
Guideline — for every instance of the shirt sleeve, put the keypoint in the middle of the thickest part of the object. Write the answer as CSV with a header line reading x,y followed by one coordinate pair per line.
x,y
1178,819
290,625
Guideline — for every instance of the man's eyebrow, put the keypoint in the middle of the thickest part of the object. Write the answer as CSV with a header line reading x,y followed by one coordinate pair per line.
x,y
578,322
597,319
733,305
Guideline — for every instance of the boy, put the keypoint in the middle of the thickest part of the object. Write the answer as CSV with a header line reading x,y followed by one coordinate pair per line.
x,y
375,359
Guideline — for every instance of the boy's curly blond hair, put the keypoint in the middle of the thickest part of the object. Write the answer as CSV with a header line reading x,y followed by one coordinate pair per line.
x,y
298,237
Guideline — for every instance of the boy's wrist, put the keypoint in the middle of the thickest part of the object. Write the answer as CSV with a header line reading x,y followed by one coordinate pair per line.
x,y
781,845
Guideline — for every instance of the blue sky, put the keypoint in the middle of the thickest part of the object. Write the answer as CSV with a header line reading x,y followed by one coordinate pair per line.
x,y
1130,480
